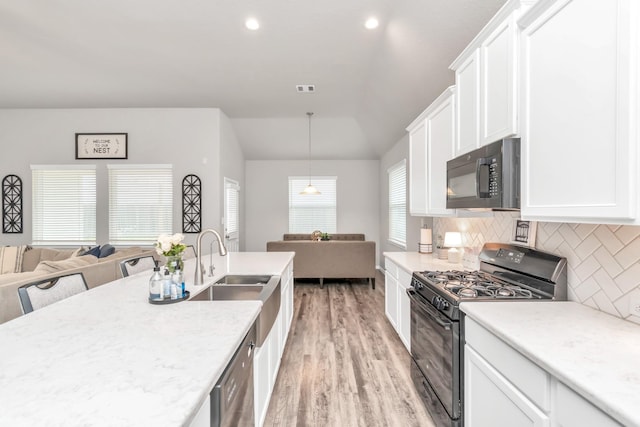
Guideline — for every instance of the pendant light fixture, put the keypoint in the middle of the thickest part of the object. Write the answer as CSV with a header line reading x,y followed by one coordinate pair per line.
x,y
309,189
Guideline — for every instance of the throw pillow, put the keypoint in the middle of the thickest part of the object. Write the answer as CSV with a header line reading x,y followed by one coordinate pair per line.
x,y
95,251
106,250
11,259
65,264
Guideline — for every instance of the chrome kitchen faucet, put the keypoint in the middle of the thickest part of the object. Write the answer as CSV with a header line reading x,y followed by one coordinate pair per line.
x,y
199,276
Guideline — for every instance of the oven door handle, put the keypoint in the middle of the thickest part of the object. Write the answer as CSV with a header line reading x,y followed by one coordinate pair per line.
x,y
413,295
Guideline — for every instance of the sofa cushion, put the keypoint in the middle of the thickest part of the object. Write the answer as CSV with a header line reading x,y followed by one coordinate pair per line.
x,y
65,264
336,236
33,256
11,259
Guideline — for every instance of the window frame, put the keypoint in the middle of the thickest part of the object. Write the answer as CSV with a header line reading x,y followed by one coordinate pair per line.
x,y
328,186
397,198
144,201
60,213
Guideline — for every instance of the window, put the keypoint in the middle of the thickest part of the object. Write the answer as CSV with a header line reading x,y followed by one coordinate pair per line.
x,y
308,213
64,204
140,203
398,203
231,214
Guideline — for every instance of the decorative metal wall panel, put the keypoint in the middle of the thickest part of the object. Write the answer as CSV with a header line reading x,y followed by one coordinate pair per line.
x,y
12,204
191,204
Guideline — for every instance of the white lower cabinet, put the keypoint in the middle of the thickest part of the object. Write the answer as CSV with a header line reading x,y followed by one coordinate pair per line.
x,y
572,410
203,416
391,298
503,387
266,363
397,306
492,400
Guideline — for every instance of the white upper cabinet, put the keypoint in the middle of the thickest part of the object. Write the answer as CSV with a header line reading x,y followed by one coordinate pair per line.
x,y
441,126
418,168
487,82
579,111
431,139
468,104
498,87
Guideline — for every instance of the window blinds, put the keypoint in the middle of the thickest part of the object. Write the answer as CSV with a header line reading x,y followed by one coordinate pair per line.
x,y
63,204
398,204
140,203
232,208
308,213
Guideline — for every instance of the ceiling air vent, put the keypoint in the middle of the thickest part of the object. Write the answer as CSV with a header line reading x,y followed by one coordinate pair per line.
x,y
306,88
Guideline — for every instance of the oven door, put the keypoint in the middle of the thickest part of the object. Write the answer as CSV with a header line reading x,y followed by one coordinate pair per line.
x,y
435,349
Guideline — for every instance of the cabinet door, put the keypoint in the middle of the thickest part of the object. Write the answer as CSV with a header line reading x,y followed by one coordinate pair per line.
x,y
491,400
441,140
391,299
261,387
418,170
203,416
574,411
579,92
468,104
498,87
404,309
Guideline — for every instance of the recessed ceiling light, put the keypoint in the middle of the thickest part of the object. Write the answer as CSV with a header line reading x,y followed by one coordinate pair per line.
x,y
371,23
252,24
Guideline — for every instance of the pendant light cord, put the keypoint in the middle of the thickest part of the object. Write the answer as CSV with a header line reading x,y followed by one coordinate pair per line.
x,y
309,114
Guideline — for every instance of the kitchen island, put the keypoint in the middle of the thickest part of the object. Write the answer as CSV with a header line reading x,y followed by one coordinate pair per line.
x,y
106,357
584,361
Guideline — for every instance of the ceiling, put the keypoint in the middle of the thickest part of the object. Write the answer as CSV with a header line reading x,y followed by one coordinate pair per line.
x,y
370,84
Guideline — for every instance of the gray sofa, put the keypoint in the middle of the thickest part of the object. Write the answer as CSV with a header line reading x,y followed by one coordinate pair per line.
x,y
344,256
43,263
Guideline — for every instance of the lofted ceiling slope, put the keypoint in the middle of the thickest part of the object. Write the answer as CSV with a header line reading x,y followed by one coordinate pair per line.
x,y
370,84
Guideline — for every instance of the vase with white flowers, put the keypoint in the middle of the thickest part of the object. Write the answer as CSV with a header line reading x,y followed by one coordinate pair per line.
x,y
172,248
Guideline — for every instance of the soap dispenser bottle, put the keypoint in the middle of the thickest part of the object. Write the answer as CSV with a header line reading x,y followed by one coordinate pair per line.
x,y
155,284
166,285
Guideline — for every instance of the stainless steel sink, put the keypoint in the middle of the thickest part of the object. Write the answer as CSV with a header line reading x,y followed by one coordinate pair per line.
x,y
235,287
242,279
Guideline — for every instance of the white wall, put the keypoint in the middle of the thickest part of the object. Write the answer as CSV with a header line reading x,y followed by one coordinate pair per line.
x,y
267,197
190,139
231,161
396,154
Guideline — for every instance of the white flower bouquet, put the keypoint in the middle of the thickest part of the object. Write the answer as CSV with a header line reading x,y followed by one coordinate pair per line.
x,y
170,245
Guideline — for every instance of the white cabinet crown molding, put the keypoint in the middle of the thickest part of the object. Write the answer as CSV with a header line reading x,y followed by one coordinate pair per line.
x,y
500,16
435,104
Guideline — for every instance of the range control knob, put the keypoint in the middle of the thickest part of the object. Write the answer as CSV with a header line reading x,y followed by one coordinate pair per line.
x,y
439,303
417,284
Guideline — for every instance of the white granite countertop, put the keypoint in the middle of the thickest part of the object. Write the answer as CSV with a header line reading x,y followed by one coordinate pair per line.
x,y
594,353
107,357
415,261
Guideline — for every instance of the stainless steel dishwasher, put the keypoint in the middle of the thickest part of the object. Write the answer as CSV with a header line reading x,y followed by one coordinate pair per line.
x,y
232,396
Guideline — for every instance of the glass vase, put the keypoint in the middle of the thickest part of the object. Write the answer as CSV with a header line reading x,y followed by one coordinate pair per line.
x,y
174,262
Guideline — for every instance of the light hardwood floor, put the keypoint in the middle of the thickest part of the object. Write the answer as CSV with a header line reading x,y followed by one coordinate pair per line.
x,y
343,363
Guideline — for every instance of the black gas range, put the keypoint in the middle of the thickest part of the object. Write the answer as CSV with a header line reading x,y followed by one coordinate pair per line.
x,y
507,273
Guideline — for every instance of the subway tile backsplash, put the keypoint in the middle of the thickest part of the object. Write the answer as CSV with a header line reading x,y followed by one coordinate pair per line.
x,y
603,260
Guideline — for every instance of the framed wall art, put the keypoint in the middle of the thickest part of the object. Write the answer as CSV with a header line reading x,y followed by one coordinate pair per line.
x,y
101,146
12,204
191,204
524,233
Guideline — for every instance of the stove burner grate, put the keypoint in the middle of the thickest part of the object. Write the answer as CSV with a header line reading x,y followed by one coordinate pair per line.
x,y
477,284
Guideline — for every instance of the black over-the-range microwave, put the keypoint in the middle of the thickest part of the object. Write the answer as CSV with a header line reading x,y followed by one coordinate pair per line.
x,y
486,178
